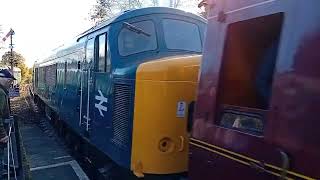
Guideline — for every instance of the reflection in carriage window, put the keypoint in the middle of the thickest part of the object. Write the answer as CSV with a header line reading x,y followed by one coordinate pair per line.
x,y
132,42
242,121
248,66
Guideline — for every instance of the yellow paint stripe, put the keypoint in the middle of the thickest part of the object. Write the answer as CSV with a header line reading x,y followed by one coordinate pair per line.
x,y
221,154
290,172
235,159
225,150
253,160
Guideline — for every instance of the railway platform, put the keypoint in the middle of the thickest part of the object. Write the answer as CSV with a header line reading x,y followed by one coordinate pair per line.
x,y
46,157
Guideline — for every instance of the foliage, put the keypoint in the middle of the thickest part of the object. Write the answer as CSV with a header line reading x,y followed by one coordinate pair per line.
x,y
19,61
17,58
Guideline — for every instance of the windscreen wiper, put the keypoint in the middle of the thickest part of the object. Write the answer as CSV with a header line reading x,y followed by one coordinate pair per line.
x,y
135,29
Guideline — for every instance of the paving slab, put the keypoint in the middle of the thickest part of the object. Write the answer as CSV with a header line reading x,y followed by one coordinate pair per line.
x,y
48,160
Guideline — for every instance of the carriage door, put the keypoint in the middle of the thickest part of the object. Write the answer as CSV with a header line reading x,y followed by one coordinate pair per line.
x,y
86,85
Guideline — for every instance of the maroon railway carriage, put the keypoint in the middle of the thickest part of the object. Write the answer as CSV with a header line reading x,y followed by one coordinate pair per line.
x,y
257,114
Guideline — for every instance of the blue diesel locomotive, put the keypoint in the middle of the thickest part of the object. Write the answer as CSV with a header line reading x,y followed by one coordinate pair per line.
x,y
89,90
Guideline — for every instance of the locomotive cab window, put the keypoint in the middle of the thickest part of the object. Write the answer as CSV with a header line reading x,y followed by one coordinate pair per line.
x,y
137,37
90,50
101,54
247,70
181,35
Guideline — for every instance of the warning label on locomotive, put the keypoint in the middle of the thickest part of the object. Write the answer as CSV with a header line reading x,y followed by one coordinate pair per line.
x,y
181,109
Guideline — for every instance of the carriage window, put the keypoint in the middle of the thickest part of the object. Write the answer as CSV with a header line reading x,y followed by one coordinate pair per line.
x,y
102,53
41,80
137,37
51,76
36,77
65,75
246,74
181,35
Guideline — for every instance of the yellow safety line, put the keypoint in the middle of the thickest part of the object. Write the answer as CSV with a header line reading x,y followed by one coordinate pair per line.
x,y
253,160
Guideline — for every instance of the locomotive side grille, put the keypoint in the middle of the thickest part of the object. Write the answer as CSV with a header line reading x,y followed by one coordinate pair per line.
x,y
121,114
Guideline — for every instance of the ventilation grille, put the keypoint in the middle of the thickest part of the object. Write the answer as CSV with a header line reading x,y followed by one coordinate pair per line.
x,y
121,114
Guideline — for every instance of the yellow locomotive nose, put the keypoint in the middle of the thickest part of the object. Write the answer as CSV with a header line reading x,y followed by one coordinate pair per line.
x,y
164,89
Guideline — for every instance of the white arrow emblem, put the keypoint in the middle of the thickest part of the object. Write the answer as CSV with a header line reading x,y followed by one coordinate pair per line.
x,y
99,106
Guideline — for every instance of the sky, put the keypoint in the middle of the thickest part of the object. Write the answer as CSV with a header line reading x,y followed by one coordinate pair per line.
x,y
43,25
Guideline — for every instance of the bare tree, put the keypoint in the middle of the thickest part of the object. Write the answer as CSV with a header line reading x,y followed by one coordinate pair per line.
x,y
105,9
102,10
1,43
155,2
176,3
124,5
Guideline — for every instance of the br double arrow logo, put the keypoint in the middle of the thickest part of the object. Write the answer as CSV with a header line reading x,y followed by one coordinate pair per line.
x,y
100,105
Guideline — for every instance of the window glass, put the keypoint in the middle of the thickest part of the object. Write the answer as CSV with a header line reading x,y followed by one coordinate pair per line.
x,y
108,57
65,74
51,75
41,80
181,35
102,53
137,37
90,51
36,77
246,74
242,121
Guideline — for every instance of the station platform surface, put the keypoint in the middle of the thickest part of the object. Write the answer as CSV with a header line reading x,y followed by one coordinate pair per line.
x,y
48,160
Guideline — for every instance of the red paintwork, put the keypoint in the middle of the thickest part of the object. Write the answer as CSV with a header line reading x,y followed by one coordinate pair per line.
x,y
293,120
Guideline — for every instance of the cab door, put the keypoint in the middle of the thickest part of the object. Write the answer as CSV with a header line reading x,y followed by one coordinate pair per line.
x,y
101,90
86,85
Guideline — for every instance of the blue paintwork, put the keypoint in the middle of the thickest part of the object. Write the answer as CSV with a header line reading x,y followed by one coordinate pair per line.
x,y
65,98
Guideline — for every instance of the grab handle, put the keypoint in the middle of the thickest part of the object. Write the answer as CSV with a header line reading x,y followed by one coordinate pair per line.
x,y
285,164
181,144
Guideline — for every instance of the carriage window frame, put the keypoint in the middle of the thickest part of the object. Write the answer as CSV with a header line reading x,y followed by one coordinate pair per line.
x,y
65,70
246,115
36,77
156,46
167,30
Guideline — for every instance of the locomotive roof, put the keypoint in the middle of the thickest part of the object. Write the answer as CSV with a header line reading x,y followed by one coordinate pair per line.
x,y
140,12
74,46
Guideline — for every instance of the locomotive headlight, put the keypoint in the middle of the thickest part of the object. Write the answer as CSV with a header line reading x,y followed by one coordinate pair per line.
x,y
166,145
